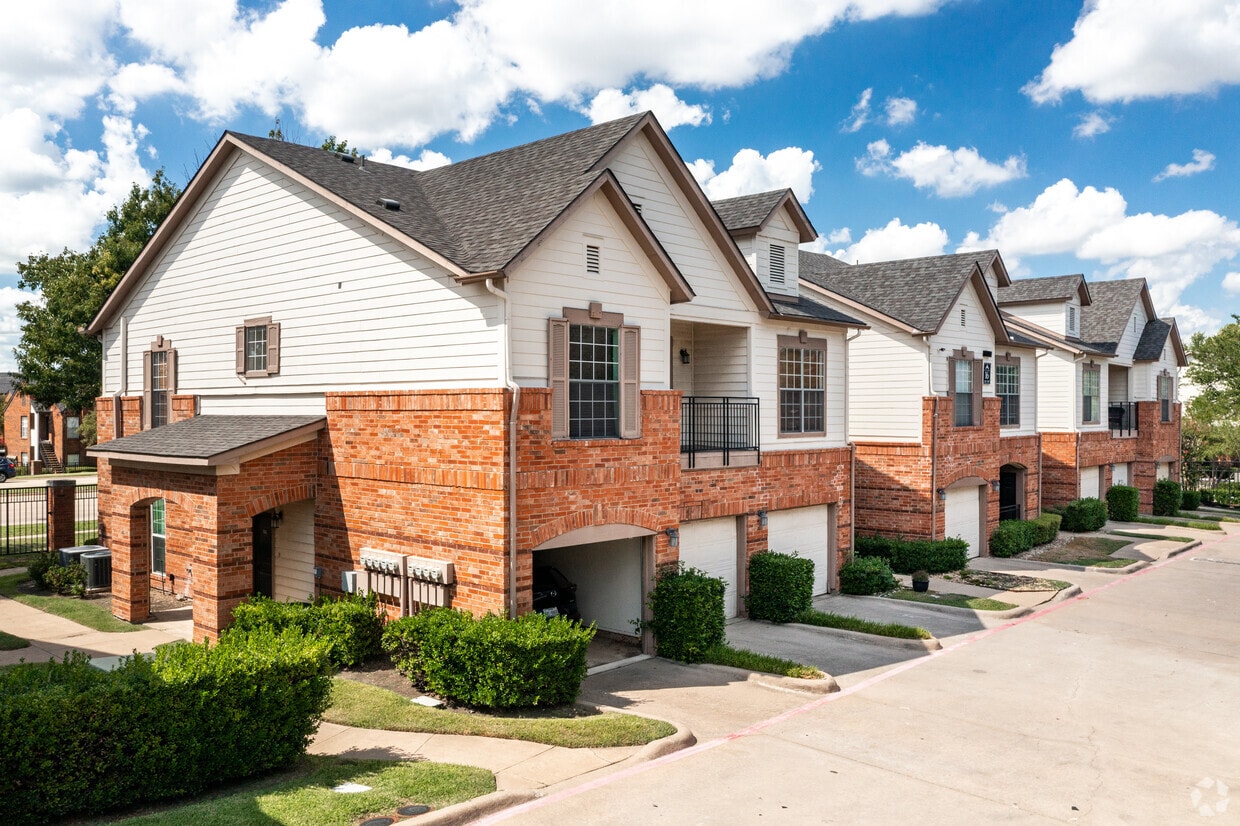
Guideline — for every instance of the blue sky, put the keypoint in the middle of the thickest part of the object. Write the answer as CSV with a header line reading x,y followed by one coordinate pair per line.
x,y
1096,138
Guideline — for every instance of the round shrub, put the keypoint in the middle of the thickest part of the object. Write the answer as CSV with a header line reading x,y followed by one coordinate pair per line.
x,y
1081,515
43,563
1168,496
1192,500
865,576
686,607
1045,528
69,580
1011,537
781,587
350,625
1122,501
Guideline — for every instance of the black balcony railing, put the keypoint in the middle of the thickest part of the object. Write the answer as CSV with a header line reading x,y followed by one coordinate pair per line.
x,y
718,424
1123,418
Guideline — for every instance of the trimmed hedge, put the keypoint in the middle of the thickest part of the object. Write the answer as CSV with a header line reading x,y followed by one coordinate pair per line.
x,y
1168,496
905,556
781,587
1122,502
1191,501
686,607
1011,537
1045,528
351,625
1081,515
79,741
867,575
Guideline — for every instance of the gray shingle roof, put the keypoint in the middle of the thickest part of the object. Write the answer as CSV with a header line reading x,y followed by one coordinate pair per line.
x,y
205,437
802,307
747,211
1026,331
1102,323
479,213
1153,339
1033,290
6,384
915,291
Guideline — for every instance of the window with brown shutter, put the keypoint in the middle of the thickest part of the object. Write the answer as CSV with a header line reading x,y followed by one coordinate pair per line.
x,y
594,371
159,383
258,348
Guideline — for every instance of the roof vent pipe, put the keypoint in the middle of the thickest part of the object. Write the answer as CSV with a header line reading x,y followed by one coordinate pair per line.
x,y
390,203
345,158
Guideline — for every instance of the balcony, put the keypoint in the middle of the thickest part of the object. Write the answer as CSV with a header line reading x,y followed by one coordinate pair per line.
x,y
1123,419
718,431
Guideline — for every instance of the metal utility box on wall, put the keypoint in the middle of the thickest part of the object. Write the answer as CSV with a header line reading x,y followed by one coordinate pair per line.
x,y
415,581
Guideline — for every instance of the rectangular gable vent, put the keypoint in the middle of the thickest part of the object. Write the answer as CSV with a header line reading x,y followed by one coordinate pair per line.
x,y
777,263
592,266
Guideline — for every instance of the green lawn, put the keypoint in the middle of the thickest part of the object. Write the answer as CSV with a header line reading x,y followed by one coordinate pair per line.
x,y
367,706
823,619
305,797
762,663
96,614
952,600
8,642
1195,524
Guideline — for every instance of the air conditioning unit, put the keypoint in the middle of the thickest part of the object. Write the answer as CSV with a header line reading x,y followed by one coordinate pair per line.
x,y
98,569
70,555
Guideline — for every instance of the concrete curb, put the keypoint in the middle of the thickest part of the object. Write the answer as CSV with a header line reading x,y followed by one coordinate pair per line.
x,y
1196,543
827,685
931,644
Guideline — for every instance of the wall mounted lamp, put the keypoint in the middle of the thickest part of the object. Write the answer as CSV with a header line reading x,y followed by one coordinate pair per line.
x,y
684,356
994,485
673,537
762,518
941,492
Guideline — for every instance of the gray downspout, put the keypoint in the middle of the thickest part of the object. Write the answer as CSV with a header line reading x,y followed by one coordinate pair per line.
x,y
852,447
512,447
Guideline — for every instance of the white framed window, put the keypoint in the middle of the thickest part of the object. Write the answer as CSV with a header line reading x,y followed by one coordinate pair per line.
x,y
1091,394
802,386
159,538
72,424
1007,388
258,348
25,427
963,385
1165,393
594,372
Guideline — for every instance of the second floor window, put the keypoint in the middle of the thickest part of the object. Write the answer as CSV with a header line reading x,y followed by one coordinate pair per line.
x,y
802,385
25,427
1165,387
258,348
159,380
159,389
963,380
1091,390
72,426
1007,388
594,374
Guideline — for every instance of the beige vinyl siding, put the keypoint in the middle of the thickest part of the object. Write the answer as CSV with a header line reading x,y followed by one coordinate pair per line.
x,y
778,231
1028,390
1146,373
554,277
1050,315
719,296
887,379
724,353
346,297
1058,393
765,381
294,553
683,375
1117,379
976,335
1128,341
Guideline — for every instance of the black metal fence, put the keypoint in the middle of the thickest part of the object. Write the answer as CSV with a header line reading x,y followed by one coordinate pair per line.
x,y
1218,480
1123,418
718,424
23,518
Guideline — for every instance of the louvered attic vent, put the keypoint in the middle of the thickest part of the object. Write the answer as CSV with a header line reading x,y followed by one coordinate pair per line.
x,y
777,263
592,265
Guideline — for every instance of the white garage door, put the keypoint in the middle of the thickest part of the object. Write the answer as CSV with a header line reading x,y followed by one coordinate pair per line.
x,y
608,577
1089,482
1119,475
710,545
807,532
962,517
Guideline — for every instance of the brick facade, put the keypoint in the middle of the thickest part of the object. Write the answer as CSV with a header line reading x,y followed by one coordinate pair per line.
x,y
54,430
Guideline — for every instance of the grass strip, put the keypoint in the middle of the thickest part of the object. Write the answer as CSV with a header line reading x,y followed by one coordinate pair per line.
x,y
823,619
753,661
367,706
1210,517
94,614
304,797
1195,524
8,642
951,600
1157,536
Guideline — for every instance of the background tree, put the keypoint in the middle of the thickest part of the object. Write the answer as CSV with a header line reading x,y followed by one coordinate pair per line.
x,y
1213,427
340,146
55,362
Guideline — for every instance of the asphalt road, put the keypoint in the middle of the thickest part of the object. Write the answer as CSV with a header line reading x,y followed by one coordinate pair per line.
x,y
1116,707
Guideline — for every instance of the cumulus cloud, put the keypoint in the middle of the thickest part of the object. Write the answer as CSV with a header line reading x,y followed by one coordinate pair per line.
x,y
860,114
429,159
1093,124
1202,161
1124,50
10,326
949,173
894,241
53,56
900,111
610,104
750,172
1192,319
1231,282
1169,251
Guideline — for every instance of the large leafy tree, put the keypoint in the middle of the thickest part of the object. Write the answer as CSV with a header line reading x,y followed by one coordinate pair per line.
x,y
56,363
1213,427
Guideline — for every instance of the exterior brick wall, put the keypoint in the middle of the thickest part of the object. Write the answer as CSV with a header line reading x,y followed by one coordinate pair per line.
x,y
56,432
1025,451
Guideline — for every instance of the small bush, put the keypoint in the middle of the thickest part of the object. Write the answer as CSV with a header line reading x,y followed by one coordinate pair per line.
x,y
43,563
867,575
877,546
907,555
492,662
350,625
1122,501
686,607
68,581
1191,500
1080,515
1011,537
780,586
1045,528
1168,496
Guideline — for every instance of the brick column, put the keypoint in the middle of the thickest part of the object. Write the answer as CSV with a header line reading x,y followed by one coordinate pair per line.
x,y
129,541
61,525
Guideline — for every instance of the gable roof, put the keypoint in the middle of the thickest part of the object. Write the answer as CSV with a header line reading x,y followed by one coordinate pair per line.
x,y
747,214
6,384
477,217
1050,288
1022,330
916,292
212,441
1103,322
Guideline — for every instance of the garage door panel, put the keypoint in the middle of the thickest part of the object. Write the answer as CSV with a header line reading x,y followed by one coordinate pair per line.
x,y
806,532
711,546
1119,475
962,517
608,576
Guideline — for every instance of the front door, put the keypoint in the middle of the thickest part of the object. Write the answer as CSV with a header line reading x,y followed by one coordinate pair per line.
x,y
1009,502
264,559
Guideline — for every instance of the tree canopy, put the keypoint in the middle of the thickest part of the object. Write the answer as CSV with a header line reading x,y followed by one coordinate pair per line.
x,y
1213,427
55,362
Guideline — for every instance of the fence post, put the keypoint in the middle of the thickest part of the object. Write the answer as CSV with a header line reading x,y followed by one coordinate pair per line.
x,y
61,514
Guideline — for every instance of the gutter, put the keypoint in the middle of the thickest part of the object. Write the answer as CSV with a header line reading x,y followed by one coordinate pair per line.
x,y
515,388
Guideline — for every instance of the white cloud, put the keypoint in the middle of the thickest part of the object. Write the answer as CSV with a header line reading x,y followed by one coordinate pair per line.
x,y
610,104
1231,282
750,172
1124,50
950,173
53,55
136,82
892,242
429,159
900,111
10,326
1192,319
860,114
1202,161
1169,251
1092,125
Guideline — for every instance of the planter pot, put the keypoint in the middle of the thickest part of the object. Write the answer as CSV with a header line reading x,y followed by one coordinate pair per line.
x,y
921,586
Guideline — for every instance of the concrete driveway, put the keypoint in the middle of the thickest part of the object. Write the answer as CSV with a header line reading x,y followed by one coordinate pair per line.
x,y
1114,707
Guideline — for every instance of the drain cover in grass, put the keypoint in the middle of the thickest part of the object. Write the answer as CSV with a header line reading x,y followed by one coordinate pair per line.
x,y
413,809
429,702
